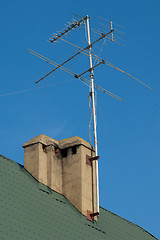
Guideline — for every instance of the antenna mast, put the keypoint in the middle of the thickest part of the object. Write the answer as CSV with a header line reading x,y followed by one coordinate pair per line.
x,y
92,95
89,83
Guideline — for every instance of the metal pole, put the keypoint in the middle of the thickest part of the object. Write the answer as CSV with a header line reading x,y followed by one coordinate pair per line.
x,y
94,110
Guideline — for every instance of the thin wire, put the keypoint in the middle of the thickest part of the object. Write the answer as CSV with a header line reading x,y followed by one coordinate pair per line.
x,y
31,89
120,38
120,32
90,121
115,41
84,82
100,51
50,61
104,25
112,21
90,111
99,30
118,168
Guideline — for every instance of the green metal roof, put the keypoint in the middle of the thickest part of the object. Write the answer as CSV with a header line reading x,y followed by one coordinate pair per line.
x,y
31,211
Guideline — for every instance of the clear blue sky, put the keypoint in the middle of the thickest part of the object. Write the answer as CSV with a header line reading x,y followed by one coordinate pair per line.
x,y
128,132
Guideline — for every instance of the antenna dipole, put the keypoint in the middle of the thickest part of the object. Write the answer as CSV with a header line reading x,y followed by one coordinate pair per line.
x,y
92,95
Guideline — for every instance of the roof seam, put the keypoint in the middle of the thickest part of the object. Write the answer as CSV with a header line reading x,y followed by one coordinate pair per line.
x,y
97,228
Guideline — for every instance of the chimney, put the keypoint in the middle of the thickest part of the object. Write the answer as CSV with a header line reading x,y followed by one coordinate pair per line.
x,y
64,166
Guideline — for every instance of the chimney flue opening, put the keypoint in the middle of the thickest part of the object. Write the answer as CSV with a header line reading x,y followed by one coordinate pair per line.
x,y
74,149
64,152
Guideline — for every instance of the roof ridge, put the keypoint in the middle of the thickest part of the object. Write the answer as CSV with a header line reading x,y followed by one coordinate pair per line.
x,y
7,158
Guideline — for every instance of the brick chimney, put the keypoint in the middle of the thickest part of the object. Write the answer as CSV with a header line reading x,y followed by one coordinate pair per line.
x,y
65,167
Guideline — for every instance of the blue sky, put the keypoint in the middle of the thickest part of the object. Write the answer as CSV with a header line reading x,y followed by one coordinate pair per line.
x,y
128,132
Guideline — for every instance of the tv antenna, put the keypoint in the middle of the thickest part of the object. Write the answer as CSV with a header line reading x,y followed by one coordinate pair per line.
x,y
91,82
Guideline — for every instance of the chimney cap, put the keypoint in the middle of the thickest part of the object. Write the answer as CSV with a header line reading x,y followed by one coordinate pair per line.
x,y
41,139
72,141
64,143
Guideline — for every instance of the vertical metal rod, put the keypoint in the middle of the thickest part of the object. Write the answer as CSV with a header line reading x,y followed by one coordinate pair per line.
x,y
112,32
94,111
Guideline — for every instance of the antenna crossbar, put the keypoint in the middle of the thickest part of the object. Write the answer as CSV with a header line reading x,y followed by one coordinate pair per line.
x,y
89,70
104,35
73,74
107,63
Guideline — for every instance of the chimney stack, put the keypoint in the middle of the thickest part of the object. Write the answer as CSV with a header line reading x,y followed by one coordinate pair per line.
x,y
64,166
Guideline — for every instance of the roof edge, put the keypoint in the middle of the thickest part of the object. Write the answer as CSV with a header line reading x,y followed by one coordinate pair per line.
x,y
129,222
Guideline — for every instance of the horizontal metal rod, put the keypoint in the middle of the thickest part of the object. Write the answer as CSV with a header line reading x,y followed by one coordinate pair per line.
x,y
86,81
104,35
77,76
101,89
109,64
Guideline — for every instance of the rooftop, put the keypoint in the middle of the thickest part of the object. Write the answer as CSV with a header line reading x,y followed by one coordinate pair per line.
x,y
30,211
